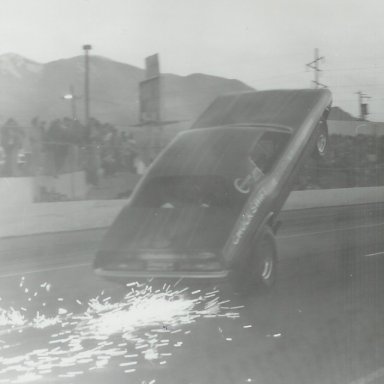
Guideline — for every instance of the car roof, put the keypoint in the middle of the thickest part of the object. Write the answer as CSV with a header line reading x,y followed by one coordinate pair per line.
x,y
280,108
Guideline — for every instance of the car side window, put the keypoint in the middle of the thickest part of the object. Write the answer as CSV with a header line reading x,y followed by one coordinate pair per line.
x,y
261,154
267,150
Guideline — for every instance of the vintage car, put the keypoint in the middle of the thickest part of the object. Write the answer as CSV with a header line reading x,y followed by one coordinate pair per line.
x,y
206,209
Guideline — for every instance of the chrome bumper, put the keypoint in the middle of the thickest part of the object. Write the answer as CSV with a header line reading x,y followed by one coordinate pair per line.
x,y
166,275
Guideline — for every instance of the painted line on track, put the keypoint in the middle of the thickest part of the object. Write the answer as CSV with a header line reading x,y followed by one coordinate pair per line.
x,y
375,375
42,270
301,234
374,254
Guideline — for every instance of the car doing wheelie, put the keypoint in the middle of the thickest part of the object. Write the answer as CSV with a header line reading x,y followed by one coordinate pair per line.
x,y
206,209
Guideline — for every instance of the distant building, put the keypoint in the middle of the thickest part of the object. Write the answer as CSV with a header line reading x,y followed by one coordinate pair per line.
x,y
342,123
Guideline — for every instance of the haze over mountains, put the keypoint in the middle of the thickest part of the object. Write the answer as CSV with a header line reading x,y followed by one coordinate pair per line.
x,y
29,89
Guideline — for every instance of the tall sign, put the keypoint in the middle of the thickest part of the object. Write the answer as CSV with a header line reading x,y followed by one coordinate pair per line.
x,y
152,67
150,92
150,107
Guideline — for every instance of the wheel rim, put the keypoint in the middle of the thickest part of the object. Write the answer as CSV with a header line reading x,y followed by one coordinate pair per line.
x,y
264,269
321,143
267,268
266,265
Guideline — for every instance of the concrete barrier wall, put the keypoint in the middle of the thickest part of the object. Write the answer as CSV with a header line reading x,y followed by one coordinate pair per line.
x,y
333,197
72,185
353,128
15,192
39,218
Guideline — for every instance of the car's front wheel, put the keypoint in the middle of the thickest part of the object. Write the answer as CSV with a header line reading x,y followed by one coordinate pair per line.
x,y
321,143
259,270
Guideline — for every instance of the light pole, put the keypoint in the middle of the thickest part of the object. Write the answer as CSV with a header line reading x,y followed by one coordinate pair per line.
x,y
94,160
86,48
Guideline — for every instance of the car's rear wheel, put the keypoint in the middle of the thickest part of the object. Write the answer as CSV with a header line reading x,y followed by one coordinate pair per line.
x,y
258,273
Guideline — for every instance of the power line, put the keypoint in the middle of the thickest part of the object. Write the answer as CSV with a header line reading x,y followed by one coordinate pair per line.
x,y
283,75
345,69
357,85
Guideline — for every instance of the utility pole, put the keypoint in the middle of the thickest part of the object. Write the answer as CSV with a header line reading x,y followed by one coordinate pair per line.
x,y
316,69
363,105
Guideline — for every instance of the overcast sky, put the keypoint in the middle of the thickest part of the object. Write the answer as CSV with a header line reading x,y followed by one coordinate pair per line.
x,y
264,43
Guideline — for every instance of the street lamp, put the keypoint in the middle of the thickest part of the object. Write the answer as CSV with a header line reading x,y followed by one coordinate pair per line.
x,y
71,97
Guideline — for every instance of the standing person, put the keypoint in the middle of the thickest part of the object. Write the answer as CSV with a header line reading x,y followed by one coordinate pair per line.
x,y
36,138
115,147
139,165
132,153
126,152
12,141
108,159
56,147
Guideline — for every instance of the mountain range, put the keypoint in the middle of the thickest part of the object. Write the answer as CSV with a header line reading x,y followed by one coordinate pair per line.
x,y
29,89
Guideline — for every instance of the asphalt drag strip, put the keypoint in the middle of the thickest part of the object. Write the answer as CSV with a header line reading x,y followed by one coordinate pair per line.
x,y
60,323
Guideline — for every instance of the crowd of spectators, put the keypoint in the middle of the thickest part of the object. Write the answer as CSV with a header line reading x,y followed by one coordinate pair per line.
x,y
63,145
351,161
118,150
40,148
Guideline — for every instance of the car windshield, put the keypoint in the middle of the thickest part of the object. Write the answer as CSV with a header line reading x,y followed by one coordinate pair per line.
x,y
201,166
199,190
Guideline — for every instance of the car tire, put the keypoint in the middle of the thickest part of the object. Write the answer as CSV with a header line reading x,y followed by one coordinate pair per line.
x,y
321,143
258,272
